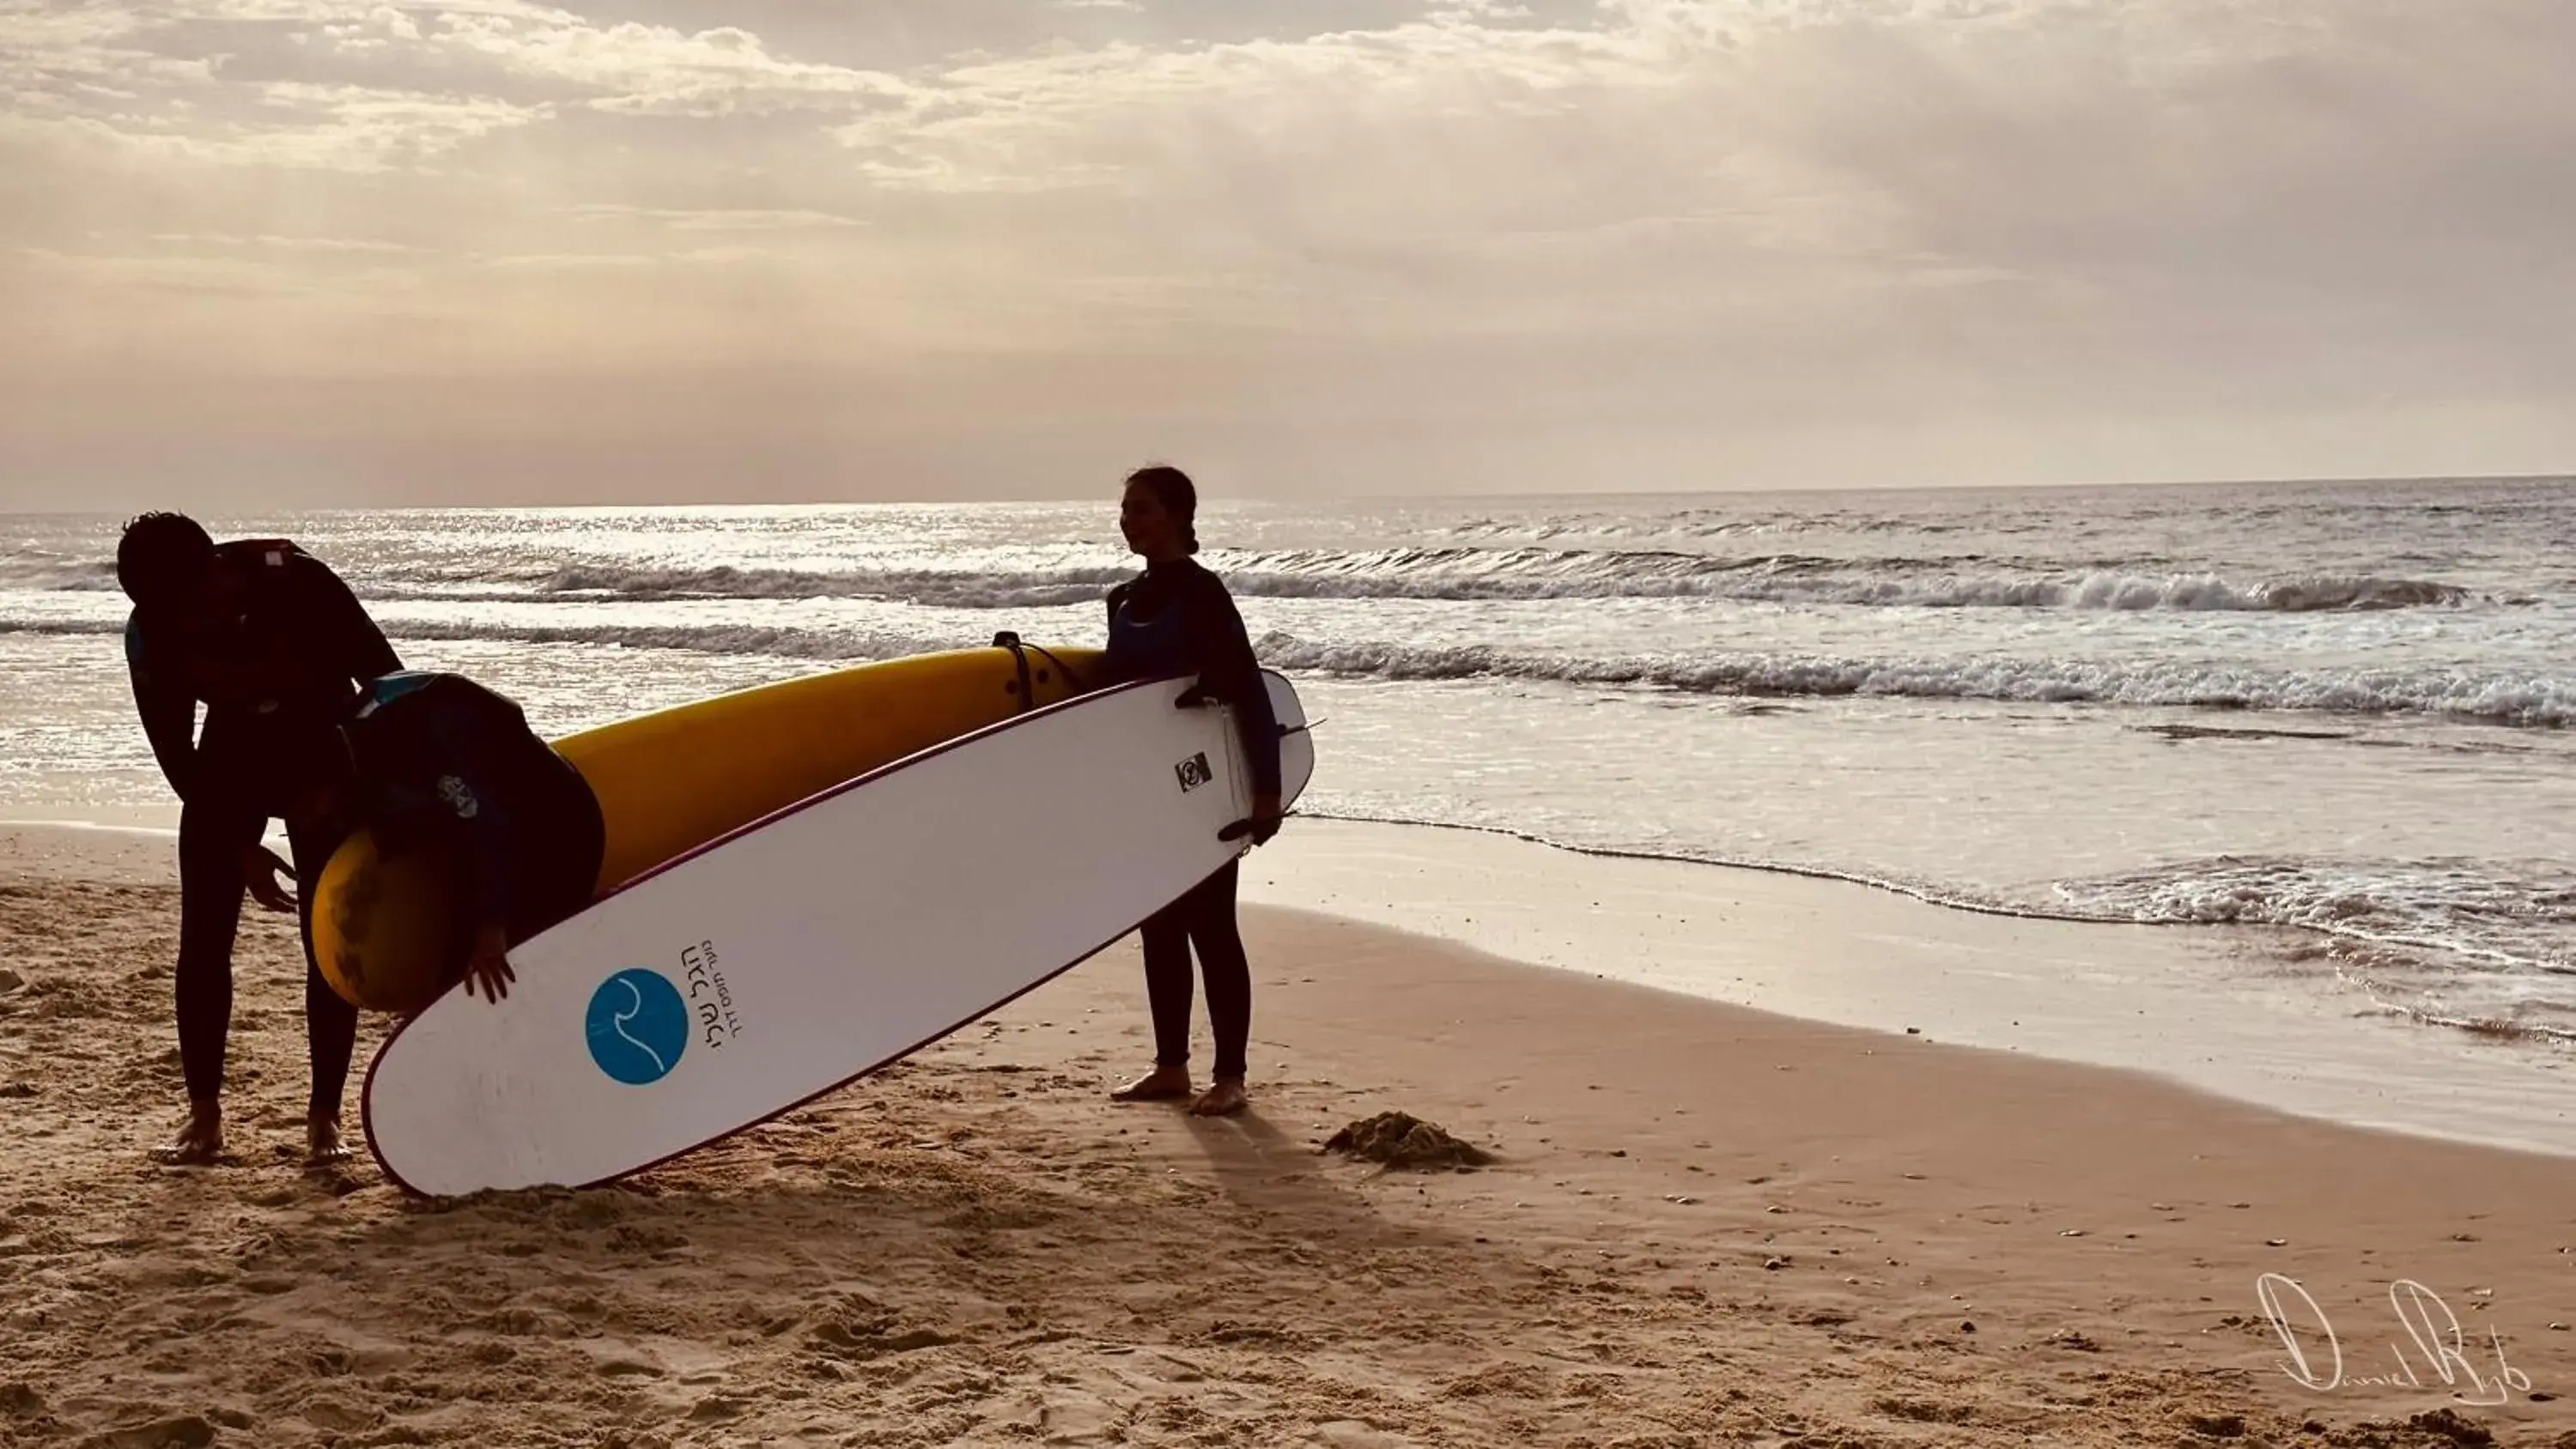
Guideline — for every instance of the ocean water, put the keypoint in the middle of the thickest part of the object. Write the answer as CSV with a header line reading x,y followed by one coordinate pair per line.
x,y
2342,709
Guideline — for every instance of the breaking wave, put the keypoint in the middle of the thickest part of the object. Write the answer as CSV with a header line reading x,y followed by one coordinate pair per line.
x,y
1493,574
2490,699
2450,943
2443,943
43,573
2459,906
930,587
2507,701
2485,699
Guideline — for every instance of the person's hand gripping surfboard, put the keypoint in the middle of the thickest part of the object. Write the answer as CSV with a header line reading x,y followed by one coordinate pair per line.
x,y
1266,815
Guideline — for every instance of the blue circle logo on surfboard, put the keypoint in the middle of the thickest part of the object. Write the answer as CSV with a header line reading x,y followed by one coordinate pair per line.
x,y
638,1026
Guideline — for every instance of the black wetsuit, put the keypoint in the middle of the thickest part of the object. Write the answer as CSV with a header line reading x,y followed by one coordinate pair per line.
x,y
443,763
275,680
1175,620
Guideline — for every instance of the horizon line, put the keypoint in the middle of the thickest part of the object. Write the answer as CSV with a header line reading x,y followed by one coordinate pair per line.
x,y
1273,499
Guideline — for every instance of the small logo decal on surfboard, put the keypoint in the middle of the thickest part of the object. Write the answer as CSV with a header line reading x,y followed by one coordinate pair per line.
x,y
637,1026
1194,772
714,999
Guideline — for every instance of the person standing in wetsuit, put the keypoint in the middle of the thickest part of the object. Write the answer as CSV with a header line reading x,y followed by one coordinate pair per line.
x,y
274,645
1176,620
438,762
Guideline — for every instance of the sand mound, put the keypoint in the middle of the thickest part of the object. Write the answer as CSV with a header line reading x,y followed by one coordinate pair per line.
x,y
1400,1139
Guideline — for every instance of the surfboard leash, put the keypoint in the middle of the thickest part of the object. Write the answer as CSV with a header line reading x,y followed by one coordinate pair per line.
x,y
1020,651
1071,677
1020,657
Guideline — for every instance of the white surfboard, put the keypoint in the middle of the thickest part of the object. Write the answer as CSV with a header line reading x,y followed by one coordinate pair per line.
x,y
808,949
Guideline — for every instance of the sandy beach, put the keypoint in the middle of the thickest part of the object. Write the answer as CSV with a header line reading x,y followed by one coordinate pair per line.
x,y
1699,1224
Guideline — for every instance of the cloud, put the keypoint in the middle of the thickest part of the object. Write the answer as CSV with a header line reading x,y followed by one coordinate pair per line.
x,y
220,274
2006,181
572,261
2060,236
629,67
213,241
57,60
120,77
360,86
750,220
325,127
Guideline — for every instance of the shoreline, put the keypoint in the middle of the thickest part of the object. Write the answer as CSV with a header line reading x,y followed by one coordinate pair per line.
x,y
2222,1009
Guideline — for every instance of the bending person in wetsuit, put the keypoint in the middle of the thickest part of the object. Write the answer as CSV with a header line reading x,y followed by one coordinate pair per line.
x,y
273,644
1177,620
438,762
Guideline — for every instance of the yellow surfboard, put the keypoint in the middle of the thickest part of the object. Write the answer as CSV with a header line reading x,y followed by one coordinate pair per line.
x,y
386,934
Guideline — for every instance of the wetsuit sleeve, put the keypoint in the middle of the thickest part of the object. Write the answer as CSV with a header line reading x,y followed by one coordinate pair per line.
x,y
460,741
1230,670
169,714
355,641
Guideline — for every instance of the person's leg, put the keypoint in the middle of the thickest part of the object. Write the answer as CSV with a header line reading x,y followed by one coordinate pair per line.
x,y
212,836
330,1021
1165,937
1214,931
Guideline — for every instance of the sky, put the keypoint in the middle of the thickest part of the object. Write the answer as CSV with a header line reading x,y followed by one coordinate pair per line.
x,y
301,252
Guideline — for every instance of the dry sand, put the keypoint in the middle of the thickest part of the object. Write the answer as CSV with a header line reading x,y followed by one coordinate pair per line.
x,y
1701,1225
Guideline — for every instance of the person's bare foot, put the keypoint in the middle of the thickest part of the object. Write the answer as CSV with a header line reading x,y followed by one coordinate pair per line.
x,y
198,1143
1162,1084
322,1138
1224,1097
